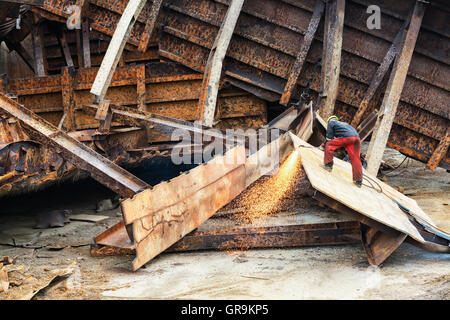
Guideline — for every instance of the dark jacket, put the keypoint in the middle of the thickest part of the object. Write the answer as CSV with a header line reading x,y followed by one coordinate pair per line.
x,y
338,129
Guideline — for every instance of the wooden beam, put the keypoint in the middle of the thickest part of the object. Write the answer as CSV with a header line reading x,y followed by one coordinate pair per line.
x,y
393,91
115,48
65,49
379,75
325,59
149,26
213,70
40,68
301,56
335,12
86,43
440,151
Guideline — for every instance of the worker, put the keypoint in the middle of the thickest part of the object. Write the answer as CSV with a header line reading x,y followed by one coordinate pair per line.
x,y
343,135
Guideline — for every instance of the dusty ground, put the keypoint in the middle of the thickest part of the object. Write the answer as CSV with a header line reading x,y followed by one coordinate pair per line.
x,y
339,272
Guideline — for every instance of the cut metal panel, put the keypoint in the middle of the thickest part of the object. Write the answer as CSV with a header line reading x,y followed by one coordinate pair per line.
x,y
158,227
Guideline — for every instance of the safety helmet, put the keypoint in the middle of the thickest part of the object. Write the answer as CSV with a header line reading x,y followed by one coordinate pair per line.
x,y
328,120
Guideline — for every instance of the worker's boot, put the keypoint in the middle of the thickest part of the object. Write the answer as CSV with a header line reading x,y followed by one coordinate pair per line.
x,y
358,183
328,167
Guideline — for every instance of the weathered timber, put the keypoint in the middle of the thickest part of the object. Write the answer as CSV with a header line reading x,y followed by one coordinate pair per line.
x,y
301,56
379,75
213,70
115,48
392,96
335,13
38,50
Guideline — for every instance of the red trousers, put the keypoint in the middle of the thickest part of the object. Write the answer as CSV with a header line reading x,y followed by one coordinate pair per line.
x,y
353,146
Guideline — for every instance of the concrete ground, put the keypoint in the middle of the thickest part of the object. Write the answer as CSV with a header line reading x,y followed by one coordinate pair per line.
x,y
329,272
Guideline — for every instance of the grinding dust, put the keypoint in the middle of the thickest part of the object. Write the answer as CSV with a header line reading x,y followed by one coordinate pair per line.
x,y
265,196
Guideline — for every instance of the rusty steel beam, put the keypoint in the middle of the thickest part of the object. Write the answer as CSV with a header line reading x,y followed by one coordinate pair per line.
x,y
335,12
150,25
98,167
379,245
392,97
301,56
213,69
337,233
440,152
270,237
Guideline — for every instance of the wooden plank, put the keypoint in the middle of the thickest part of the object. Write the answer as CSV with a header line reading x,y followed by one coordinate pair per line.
x,y
115,48
150,25
65,49
213,70
379,75
394,89
367,201
333,56
38,51
304,49
86,44
103,109
440,151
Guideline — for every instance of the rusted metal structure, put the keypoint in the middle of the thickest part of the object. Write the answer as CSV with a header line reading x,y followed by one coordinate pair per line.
x,y
229,60
269,35
261,60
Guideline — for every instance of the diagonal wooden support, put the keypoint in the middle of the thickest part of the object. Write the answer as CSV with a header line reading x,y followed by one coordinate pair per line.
x,y
332,63
440,151
379,75
115,48
65,49
150,25
304,49
213,69
40,63
394,89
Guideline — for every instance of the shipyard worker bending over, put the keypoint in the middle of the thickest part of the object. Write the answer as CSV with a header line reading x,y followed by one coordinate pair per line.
x,y
343,135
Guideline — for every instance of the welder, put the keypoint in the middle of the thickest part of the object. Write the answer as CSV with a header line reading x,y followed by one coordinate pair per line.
x,y
342,135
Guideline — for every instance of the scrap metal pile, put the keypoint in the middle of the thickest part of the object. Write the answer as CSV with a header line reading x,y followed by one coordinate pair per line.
x,y
93,87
